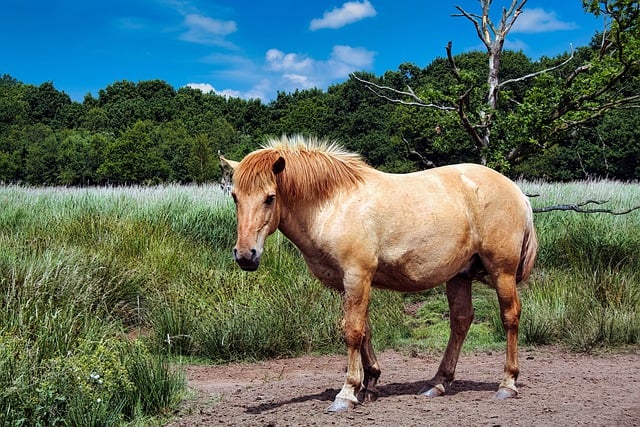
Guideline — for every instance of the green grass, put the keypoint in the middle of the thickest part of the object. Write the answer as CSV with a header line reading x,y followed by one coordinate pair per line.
x,y
100,288
429,327
585,290
83,270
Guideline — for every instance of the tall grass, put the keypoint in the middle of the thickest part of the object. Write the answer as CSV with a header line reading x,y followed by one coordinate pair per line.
x,y
99,286
585,290
82,271
63,350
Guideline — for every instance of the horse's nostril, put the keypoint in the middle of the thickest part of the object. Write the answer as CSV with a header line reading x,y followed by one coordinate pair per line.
x,y
253,253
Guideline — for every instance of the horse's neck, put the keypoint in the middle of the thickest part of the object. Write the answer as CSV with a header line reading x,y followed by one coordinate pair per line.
x,y
296,225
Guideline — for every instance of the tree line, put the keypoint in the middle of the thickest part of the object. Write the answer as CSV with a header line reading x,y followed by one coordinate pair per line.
x,y
149,132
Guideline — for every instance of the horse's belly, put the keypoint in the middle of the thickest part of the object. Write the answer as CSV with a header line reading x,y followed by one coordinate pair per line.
x,y
408,281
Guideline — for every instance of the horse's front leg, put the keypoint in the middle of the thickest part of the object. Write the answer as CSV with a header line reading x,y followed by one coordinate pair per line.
x,y
356,303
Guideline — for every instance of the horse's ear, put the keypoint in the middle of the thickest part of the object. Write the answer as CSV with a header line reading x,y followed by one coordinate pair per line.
x,y
278,166
230,163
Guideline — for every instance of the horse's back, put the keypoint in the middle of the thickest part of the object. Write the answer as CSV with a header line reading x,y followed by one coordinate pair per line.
x,y
467,190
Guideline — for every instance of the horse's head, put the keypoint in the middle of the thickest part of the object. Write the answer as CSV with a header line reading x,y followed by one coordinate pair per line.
x,y
257,209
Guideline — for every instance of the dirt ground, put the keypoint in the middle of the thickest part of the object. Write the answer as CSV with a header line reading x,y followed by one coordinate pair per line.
x,y
557,388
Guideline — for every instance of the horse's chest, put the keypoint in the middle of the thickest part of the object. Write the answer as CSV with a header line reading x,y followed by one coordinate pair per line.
x,y
326,270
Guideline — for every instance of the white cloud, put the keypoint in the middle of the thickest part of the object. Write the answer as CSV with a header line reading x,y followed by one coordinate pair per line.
x,y
282,71
348,13
345,60
298,81
205,30
229,93
515,45
356,56
261,90
277,60
296,71
204,87
208,88
537,20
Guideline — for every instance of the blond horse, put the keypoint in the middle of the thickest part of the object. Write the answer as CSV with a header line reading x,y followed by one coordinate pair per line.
x,y
357,228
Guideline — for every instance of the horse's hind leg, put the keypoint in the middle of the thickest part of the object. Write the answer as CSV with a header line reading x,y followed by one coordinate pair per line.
x,y
461,316
370,366
510,314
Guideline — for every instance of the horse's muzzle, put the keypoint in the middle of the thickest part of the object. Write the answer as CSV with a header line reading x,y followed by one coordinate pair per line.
x,y
247,260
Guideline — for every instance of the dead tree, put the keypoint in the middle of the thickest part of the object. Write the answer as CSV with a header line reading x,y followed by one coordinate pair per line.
x,y
478,123
493,38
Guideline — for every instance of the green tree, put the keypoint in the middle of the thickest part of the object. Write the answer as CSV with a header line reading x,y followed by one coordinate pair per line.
x,y
158,98
133,158
14,108
42,145
95,119
79,156
46,104
303,112
361,121
203,162
174,146
121,103
609,148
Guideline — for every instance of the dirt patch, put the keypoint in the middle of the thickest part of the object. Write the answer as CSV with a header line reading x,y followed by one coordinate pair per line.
x,y
556,388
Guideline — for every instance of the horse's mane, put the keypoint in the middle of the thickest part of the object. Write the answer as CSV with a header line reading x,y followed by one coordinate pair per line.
x,y
314,168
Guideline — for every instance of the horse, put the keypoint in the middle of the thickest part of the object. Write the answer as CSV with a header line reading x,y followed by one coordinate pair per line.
x,y
359,228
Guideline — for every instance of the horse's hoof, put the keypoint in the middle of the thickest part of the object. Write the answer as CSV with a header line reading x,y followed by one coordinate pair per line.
x,y
506,393
340,405
435,391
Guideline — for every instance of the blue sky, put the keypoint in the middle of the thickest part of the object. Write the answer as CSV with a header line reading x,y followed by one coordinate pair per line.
x,y
253,49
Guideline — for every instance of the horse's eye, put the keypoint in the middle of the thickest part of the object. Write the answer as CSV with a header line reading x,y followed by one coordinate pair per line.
x,y
235,199
269,200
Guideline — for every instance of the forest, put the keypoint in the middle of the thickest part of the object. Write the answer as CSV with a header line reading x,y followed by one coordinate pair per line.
x,y
569,117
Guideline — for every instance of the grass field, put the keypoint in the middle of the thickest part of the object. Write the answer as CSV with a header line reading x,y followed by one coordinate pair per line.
x,y
101,287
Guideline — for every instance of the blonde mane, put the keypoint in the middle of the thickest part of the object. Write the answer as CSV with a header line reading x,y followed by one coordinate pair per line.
x,y
314,168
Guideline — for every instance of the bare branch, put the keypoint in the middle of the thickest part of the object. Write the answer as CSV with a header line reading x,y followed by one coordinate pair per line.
x,y
493,37
596,112
537,73
576,72
428,164
452,63
474,19
610,84
574,105
471,129
409,93
579,207
514,11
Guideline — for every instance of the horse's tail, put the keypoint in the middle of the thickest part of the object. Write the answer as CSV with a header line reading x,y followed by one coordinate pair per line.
x,y
528,252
